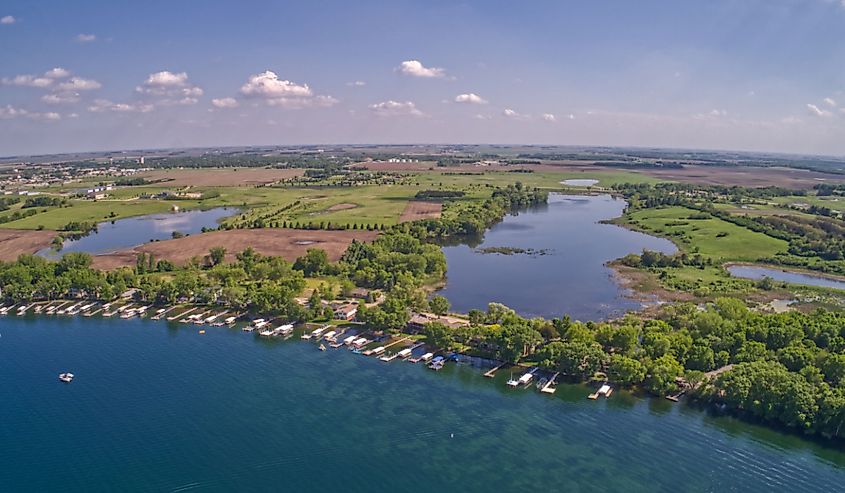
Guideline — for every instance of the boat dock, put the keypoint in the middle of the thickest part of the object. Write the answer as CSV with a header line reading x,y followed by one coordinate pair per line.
x,y
159,316
492,371
604,390
550,388
174,317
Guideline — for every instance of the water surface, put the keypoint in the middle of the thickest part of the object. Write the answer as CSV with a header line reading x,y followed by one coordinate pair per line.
x,y
159,408
580,182
758,272
565,274
134,231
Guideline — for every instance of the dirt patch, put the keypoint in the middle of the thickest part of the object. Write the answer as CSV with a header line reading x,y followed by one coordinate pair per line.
x,y
419,209
342,207
14,242
286,243
220,177
744,176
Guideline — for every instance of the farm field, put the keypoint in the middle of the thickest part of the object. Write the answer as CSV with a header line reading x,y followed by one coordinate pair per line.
x,y
221,177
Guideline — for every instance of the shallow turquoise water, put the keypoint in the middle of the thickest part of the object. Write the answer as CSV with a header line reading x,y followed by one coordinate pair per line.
x,y
159,408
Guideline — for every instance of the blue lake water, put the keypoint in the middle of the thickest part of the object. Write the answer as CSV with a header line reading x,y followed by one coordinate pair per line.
x,y
566,274
133,231
154,407
757,272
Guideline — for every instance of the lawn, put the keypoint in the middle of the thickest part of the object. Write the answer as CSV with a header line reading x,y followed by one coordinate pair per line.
x,y
718,239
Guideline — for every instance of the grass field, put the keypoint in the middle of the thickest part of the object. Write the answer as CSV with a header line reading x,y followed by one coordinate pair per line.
x,y
718,239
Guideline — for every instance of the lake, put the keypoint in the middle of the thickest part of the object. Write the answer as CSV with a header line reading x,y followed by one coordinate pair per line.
x,y
154,407
133,231
758,272
563,271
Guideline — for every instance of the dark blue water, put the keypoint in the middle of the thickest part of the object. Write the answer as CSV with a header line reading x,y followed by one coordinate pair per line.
x,y
133,231
569,276
158,408
757,272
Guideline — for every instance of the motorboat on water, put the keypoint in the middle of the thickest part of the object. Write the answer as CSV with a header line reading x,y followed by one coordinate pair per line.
x,y
66,377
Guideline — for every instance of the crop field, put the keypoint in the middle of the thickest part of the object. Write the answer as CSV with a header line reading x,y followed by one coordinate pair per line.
x,y
221,177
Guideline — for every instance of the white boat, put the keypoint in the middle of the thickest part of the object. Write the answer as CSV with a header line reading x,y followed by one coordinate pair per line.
x,y
284,330
427,357
230,320
317,332
405,353
349,340
437,363
266,332
322,347
66,377
330,335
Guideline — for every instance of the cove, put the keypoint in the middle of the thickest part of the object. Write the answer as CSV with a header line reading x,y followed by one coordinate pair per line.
x,y
567,276
134,231
156,407
758,272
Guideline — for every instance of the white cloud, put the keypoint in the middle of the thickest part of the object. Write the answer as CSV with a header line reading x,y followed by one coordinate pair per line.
x,y
549,117
415,68
103,105
225,103
470,98
57,73
396,108
166,79
61,98
27,81
8,112
356,83
571,116
268,85
830,101
86,38
284,93
816,111
174,88
78,84
510,113
8,19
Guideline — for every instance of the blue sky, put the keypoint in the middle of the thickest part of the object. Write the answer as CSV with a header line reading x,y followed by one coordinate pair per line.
x,y
724,74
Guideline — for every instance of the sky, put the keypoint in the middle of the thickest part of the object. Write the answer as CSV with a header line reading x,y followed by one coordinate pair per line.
x,y
763,75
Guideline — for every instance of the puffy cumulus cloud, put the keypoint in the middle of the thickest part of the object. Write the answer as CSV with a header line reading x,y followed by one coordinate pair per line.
x,y
225,103
7,19
268,85
8,112
283,93
28,81
470,98
86,38
510,113
395,108
47,80
549,117
104,105
415,68
78,84
172,88
816,111
57,73
61,98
